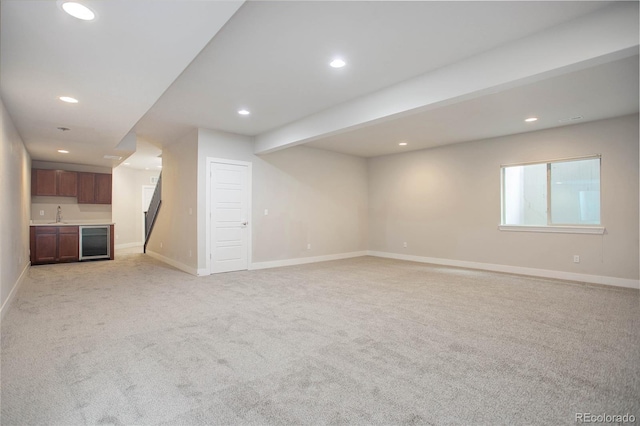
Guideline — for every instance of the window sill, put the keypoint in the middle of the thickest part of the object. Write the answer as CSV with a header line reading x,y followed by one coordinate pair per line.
x,y
597,230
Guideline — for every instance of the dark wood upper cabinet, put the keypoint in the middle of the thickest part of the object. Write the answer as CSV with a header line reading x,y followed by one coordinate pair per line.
x,y
60,183
43,182
89,188
94,188
86,188
103,188
67,183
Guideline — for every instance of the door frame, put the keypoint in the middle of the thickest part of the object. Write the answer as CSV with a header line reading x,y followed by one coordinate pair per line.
x,y
209,216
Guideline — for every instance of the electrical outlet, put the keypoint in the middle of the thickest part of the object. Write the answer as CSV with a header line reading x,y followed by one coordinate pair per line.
x,y
404,244
160,244
576,258
41,212
190,211
189,253
266,212
308,246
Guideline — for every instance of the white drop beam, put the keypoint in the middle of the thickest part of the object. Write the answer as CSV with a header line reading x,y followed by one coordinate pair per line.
x,y
581,43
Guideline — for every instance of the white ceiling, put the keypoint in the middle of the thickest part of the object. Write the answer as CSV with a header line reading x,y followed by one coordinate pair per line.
x,y
603,91
160,69
116,66
146,157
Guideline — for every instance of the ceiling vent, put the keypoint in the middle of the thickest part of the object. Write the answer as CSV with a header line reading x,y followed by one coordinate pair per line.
x,y
112,157
569,120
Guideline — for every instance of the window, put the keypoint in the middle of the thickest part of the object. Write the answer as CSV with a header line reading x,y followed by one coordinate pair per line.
x,y
562,193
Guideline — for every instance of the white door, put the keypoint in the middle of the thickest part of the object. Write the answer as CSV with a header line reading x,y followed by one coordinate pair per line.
x,y
229,217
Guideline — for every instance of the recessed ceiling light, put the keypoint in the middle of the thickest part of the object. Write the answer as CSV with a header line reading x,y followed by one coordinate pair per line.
x,y
402,144
126,164
68,99
146,168
63,151
531,119
78,10
243,112
337,63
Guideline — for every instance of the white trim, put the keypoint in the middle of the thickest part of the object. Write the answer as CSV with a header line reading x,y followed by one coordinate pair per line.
x,y
518,270
303,260
227,161
12,294
594,230
185,268
128,245
208,270
557,160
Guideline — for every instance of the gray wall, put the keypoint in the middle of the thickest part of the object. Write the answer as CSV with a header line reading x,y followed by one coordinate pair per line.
x,y
445,202
313,196
175,233
15,178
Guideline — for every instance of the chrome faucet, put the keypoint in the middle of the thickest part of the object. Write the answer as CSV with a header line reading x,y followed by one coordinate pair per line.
x,y
59,215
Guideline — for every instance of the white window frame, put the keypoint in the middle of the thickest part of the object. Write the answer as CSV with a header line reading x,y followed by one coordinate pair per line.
x,y
563,229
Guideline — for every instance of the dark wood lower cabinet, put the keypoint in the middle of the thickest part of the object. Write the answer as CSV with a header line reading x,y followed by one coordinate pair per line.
x,y
68,244
44,245
53,244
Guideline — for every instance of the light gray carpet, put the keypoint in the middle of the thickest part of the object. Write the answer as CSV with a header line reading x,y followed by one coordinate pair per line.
x,y
359,341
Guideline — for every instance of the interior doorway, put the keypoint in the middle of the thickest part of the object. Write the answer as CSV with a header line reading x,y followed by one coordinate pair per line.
x,y
229,211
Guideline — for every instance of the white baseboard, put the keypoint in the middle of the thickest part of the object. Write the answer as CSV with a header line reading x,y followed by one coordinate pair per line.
x,y
128,245
186,268
303,260
518,270
258,265
14,291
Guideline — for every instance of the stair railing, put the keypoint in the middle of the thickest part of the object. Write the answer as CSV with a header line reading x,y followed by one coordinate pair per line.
x,y
151,214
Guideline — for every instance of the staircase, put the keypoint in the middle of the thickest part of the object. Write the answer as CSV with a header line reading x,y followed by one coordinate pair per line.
x,y
151,214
